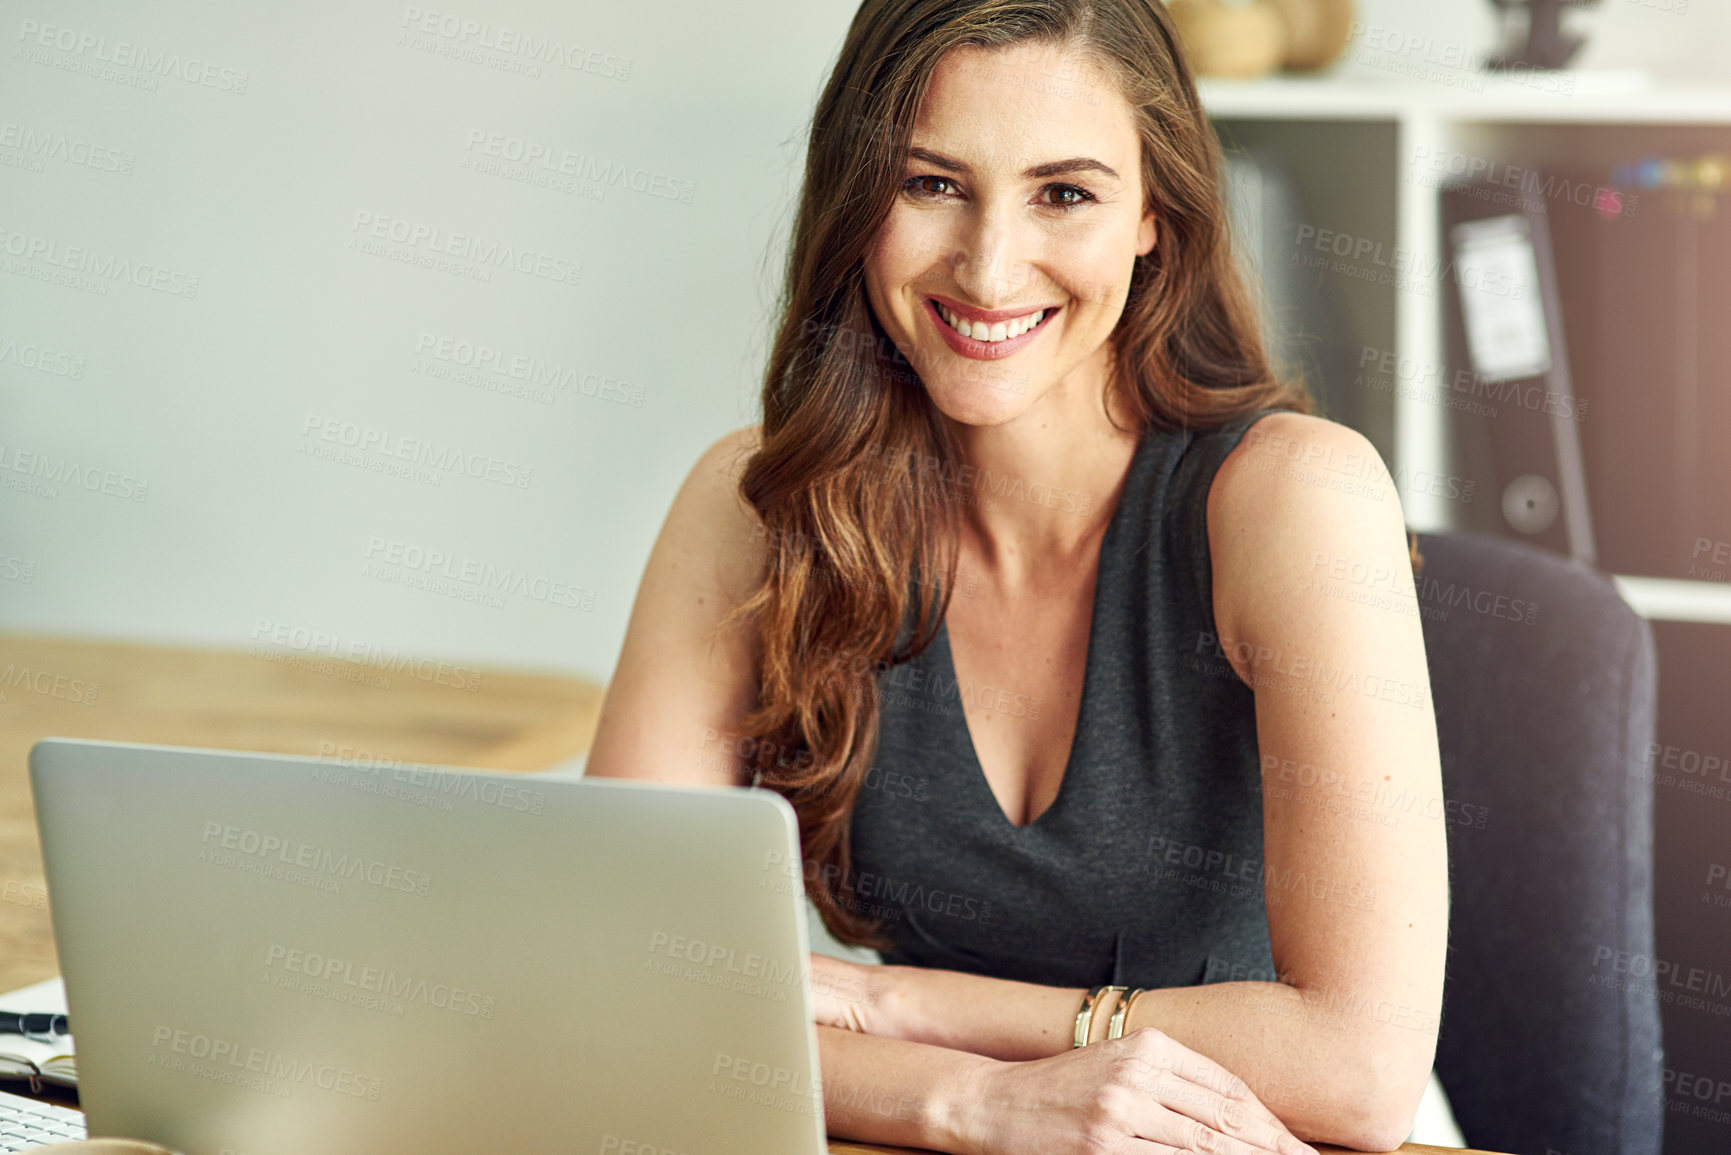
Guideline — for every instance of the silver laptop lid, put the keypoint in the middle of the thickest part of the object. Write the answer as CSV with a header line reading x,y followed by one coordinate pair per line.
x,y
272,955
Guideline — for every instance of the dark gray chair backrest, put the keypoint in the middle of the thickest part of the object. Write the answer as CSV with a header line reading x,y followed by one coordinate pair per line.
x,y
1547,1044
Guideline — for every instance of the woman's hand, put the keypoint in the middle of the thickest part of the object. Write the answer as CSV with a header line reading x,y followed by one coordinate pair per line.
x,y
1145,1093
847,995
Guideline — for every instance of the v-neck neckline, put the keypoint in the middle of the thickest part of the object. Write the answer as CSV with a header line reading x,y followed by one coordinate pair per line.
x,y
976,769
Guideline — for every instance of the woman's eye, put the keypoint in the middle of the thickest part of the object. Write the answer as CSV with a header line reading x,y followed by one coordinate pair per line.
x,y
913,185
1068,196
1082,195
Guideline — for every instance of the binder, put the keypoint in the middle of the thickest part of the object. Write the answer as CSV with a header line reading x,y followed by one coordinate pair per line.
x,y
1647,294
1514,415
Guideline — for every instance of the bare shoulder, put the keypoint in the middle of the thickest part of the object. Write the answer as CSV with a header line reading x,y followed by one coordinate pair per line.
x,y
711,518
714,479
685,678
1294,464
1295,489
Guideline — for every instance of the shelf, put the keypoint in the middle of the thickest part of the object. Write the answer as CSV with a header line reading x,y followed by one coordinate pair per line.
x,y
1667,599
1597,98
1361,158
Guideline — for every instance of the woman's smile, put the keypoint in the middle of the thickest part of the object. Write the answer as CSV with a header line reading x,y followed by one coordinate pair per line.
x,y
989,335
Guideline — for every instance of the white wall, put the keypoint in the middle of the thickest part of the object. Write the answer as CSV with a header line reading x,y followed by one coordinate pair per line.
x,y
255,193
191,410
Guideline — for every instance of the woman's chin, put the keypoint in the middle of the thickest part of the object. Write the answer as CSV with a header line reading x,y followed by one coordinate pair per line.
x,y
968,407
974,404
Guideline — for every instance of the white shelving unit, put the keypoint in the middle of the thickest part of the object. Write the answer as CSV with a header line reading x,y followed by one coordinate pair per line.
x,y
1365,155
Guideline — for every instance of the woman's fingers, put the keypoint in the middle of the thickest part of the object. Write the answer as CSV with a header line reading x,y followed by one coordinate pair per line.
x,y
1202,1089
1228,1117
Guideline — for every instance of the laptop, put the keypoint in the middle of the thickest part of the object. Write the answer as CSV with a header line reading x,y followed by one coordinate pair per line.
x,y
276,955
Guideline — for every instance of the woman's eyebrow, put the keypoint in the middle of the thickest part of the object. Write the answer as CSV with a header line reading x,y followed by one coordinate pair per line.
x,y
1037,172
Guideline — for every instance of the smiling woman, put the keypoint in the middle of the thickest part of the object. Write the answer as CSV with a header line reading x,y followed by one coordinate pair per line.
x,y
1015,361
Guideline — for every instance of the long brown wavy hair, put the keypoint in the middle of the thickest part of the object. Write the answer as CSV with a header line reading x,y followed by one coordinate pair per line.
x,y
855,481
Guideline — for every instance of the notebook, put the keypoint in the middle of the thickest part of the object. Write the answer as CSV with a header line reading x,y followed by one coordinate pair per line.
x,y
35,1059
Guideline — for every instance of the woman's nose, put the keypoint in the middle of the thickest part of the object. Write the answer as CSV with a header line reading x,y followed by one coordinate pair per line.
x,y
990,261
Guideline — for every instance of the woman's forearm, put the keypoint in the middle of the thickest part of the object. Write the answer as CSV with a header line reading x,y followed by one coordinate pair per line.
x,y
884,1090
1333,1069
999,1018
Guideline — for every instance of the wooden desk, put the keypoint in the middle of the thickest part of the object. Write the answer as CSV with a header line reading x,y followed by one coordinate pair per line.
x,y
840,1148
240,701
275,699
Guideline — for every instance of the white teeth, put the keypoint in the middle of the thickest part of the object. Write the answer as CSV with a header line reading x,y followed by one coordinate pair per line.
x,y
1000,331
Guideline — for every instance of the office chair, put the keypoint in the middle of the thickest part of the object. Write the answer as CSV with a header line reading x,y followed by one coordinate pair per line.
x,y
1544,727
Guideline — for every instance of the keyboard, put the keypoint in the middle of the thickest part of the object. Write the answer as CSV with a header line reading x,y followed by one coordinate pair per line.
x,y
27,1123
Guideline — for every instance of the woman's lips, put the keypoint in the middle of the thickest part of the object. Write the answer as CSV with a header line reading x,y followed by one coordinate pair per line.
x,y
985,350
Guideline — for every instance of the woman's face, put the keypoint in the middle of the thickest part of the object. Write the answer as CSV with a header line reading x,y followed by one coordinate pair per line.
x,y
1022,194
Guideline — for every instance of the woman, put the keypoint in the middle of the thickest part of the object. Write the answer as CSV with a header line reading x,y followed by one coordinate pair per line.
x,y
1155,743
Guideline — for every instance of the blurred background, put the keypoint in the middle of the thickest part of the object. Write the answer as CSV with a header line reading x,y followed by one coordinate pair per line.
x,y
351,355
327,234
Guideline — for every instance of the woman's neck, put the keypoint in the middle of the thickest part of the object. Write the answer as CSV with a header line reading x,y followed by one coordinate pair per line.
x,y
1039,490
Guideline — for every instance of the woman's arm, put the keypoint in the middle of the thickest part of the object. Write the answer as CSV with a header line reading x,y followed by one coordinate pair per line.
x,y
1144,1094
673,706
1314,604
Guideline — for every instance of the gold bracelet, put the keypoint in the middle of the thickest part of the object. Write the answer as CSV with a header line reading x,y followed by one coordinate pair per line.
x,y
1085,1016
1115,1028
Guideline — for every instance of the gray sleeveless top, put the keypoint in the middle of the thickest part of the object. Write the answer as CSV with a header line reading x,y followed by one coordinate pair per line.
x,y
1146,870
